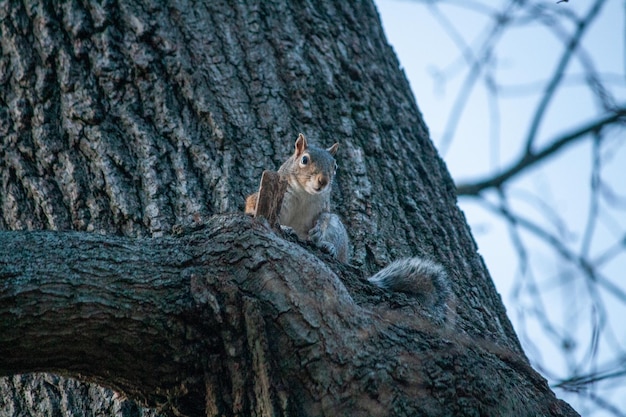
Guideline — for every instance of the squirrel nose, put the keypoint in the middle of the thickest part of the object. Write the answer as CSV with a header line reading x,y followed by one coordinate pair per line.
x,y
322,181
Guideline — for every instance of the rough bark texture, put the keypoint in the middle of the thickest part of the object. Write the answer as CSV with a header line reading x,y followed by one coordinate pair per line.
x,y
195,325
132,119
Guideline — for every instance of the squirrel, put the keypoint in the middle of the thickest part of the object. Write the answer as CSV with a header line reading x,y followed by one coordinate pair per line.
x,y
306,205
306,209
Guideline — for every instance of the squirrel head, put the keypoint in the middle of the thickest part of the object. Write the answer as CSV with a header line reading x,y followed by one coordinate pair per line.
x,y
313,167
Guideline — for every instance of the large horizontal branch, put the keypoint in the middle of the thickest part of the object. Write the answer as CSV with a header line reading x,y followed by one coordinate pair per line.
x,y
112,310
530,158
161,319
221,320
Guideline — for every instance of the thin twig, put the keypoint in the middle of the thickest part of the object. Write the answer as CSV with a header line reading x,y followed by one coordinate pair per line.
x,y
529,160
559,72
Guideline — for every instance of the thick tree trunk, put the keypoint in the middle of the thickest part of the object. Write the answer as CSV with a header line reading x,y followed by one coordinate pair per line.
x,y
135,119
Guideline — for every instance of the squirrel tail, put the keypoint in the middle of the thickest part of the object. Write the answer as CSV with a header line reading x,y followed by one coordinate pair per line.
x,y
422,278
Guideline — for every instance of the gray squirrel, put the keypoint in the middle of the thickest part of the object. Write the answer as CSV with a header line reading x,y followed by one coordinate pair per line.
x,y
306,204
306,209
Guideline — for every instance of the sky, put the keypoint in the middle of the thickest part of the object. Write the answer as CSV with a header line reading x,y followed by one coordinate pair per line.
x,y
430,42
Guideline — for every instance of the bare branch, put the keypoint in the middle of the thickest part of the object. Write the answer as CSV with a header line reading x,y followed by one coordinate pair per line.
x,y
555,242
559,72
530,159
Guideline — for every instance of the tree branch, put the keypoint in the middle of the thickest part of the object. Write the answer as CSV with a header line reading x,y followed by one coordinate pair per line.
x,y
529,159
222,320
112,310
558,74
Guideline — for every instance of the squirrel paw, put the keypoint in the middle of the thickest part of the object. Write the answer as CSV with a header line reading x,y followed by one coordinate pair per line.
x,y
330,235
327,247
316,235
289,231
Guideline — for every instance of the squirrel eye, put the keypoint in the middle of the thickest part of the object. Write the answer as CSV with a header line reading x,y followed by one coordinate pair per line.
x,y
304,160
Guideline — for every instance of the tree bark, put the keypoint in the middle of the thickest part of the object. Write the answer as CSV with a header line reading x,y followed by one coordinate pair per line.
x,y
135,120
195,325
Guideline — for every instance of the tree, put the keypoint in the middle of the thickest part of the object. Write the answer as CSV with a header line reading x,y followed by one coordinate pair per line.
x,y
132,133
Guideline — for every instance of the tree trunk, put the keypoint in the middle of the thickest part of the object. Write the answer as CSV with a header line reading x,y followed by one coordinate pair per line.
x,y
140,120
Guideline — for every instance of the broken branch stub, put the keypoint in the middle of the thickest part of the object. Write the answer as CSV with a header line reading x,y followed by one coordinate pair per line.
x,y
271,193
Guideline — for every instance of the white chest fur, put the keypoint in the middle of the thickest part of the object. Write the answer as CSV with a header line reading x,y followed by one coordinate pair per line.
x,y
300,209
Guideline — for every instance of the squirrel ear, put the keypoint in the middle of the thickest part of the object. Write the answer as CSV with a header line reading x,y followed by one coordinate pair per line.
x,y
301,145
333,149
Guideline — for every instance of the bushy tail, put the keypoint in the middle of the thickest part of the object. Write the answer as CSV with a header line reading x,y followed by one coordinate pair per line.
x,y
422,278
